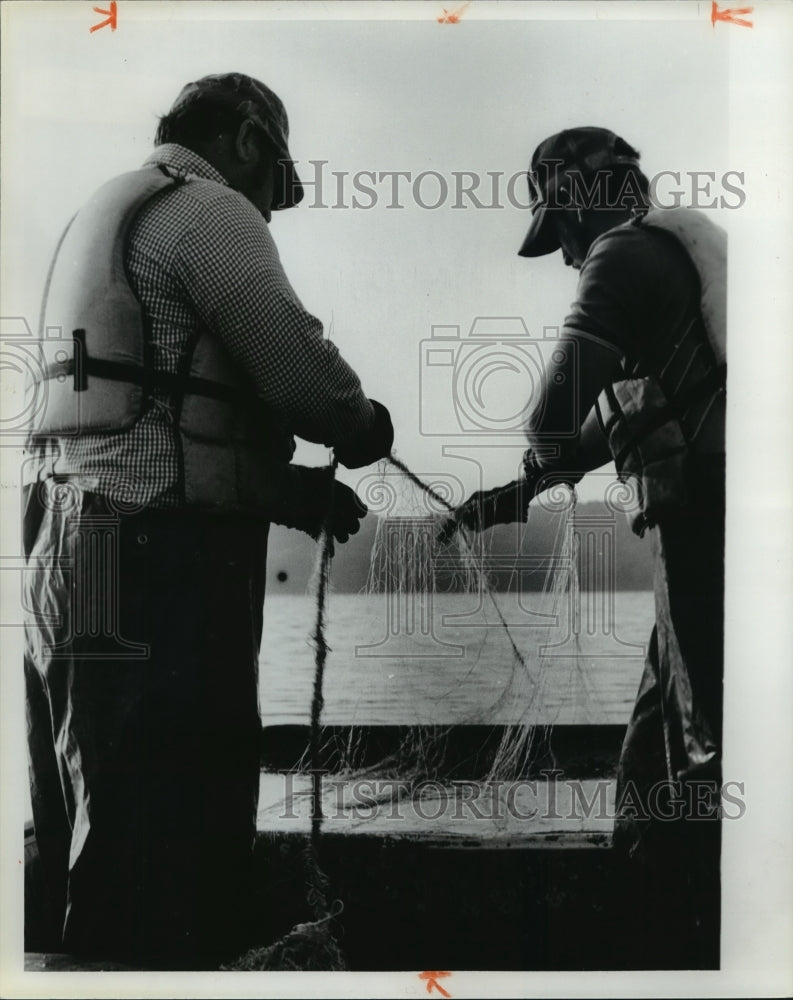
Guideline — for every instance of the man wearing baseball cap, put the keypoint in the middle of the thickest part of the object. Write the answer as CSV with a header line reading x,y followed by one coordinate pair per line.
x,y
641,361
162,451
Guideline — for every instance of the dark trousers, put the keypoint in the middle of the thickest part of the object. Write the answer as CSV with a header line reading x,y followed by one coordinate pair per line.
x,y
667,828
143,725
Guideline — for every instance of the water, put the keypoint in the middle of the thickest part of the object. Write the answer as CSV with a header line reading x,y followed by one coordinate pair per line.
x,y
443,659
415,659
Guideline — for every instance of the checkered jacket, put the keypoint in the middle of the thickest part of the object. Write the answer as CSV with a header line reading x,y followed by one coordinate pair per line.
x,y
202,256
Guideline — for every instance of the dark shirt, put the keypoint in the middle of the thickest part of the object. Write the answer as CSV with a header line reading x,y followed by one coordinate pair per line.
x,y
636,286
638,298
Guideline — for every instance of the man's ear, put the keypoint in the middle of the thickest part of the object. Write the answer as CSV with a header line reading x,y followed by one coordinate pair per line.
x,y
246,148
564,197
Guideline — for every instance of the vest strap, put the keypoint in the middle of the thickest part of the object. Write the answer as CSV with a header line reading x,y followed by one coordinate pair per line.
x,y
715,379
117,371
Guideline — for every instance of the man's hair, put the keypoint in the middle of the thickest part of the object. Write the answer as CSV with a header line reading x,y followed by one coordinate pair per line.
x,y
197,123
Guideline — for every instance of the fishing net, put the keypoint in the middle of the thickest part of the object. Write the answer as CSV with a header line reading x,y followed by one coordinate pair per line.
x,y
410,569
308,947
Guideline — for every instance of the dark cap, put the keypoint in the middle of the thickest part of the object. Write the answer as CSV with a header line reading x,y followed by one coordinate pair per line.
x,y
584,150
253,100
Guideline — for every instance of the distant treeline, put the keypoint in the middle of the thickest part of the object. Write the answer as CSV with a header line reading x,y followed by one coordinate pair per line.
x,y
609,554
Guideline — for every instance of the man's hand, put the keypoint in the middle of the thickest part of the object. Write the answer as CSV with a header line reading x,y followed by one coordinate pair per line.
x,y
483,509
506,504
314,497
346,513
376,444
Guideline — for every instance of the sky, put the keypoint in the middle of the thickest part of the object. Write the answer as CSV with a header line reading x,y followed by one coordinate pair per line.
x,y
382,96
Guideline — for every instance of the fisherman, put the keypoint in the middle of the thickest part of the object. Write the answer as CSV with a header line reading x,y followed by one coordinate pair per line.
x,y
161,453
642,360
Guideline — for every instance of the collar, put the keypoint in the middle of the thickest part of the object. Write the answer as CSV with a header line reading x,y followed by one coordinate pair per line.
x,y
171,154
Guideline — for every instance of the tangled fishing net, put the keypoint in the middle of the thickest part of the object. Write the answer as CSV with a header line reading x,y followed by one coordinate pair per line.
x,y
409,567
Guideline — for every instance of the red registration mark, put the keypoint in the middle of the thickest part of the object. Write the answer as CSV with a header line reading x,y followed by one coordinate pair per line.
x,y
432,982
110,19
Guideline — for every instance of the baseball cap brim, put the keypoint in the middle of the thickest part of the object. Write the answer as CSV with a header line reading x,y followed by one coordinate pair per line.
x,y
542,237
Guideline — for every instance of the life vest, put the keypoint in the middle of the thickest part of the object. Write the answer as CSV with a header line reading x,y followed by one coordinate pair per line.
x,y
659,425
97,373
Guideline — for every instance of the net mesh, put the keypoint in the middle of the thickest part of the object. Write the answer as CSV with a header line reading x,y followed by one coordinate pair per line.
x,y
408,567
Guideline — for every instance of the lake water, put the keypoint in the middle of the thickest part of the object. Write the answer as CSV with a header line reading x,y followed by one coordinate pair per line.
x,y
445,659
410,659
